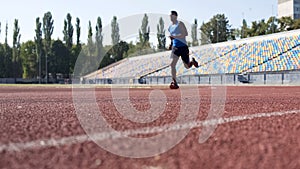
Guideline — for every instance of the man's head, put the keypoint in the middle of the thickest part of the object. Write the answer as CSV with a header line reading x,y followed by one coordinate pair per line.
x,y
173,16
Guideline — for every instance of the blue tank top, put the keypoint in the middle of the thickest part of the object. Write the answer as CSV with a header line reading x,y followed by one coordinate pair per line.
x,y
175,31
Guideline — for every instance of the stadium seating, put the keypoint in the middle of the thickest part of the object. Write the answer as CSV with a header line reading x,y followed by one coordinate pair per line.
x,y
275,54
278,52
135,67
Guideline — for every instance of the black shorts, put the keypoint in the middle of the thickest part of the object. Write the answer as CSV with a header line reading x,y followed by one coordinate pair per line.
x,y
183,52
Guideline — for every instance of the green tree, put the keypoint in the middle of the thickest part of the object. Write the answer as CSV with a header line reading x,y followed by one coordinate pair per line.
x,y
1,58
88,53
7,56
263,27
29,63
244,29
115,53
75,49
272,25
39,46
78,31
234,33
216,30
123,48
206,33
285,23
6,30
254,29
48,31
220,25
99,39
115,36
2,63
258,28
144,33
58,62
161,34
90,42
6,62
132,50
68,31
296,24
115,32
68,39
194,33
16,60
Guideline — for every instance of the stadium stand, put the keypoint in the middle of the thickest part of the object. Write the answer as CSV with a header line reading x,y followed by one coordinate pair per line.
x,y
276,52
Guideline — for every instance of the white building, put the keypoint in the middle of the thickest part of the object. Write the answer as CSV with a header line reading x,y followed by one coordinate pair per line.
x,y
289,8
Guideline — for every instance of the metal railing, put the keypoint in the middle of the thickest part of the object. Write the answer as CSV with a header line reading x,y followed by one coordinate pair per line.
x,y
261,78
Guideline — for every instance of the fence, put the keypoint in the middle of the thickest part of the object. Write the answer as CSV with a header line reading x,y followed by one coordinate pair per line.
x,y
263,78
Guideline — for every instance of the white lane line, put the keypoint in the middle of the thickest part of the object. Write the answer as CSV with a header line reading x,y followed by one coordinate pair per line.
x,y
44,143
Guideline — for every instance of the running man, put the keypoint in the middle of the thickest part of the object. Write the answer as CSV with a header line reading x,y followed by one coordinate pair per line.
x,y
179,47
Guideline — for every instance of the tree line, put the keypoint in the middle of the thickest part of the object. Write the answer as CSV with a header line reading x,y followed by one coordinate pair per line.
x,y
45,56
218,29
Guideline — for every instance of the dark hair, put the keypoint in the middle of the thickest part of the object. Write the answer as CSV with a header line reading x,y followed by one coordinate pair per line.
x,y
174,13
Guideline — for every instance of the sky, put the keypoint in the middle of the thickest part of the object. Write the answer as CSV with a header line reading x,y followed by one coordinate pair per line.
x,y
27,11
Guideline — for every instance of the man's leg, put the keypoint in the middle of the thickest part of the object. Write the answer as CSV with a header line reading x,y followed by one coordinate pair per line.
x,y
186,58
187,65
175,59
190,64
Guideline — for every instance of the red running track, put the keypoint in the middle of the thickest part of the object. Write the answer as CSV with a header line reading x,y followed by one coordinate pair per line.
x,y
31,114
